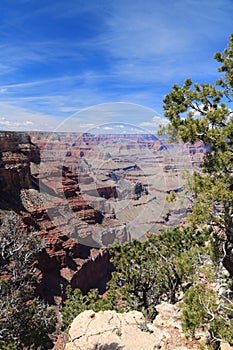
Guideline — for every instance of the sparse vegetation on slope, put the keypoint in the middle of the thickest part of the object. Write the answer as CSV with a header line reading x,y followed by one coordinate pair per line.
x,y
158,269
25,322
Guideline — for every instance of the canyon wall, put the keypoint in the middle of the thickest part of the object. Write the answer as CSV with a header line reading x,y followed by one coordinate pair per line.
x,y
16,154
64,260
81,197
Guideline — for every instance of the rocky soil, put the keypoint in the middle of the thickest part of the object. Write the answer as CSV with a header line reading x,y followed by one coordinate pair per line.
x,y
130,331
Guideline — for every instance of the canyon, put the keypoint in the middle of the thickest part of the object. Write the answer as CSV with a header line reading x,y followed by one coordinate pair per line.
x,y
84,192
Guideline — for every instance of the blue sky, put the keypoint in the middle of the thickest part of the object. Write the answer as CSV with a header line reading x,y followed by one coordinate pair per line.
x,y
59,57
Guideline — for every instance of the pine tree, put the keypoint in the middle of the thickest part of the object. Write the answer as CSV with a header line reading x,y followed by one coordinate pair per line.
x,y
200,113
158,269
203,113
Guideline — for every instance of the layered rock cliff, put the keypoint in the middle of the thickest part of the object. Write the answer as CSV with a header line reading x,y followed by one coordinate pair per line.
x,y
16,154
64,260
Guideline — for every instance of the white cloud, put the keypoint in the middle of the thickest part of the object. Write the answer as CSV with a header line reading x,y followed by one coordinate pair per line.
x,y
154,123
20,119
120,126
86,126
107,128
14,125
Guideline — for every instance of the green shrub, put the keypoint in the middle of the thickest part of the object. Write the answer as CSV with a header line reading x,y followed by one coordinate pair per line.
x,y
202,309
78,302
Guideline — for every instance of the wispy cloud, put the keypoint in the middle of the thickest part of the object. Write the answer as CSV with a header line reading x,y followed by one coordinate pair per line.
x,y
17,118
112,117
154,124
163,41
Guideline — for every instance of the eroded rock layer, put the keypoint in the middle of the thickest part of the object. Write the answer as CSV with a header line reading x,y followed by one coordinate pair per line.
x,y
64,260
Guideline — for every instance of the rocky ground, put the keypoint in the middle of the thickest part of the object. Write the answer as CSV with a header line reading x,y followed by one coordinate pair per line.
x,y
111,331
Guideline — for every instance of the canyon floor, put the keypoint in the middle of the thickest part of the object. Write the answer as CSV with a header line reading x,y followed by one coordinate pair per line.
x,y
115,187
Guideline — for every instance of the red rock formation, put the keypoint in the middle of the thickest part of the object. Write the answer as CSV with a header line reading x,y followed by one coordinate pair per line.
x,y
17,152
64,259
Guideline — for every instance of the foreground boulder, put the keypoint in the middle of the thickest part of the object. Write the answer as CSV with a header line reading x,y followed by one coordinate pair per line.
x,y
110,330
92,330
